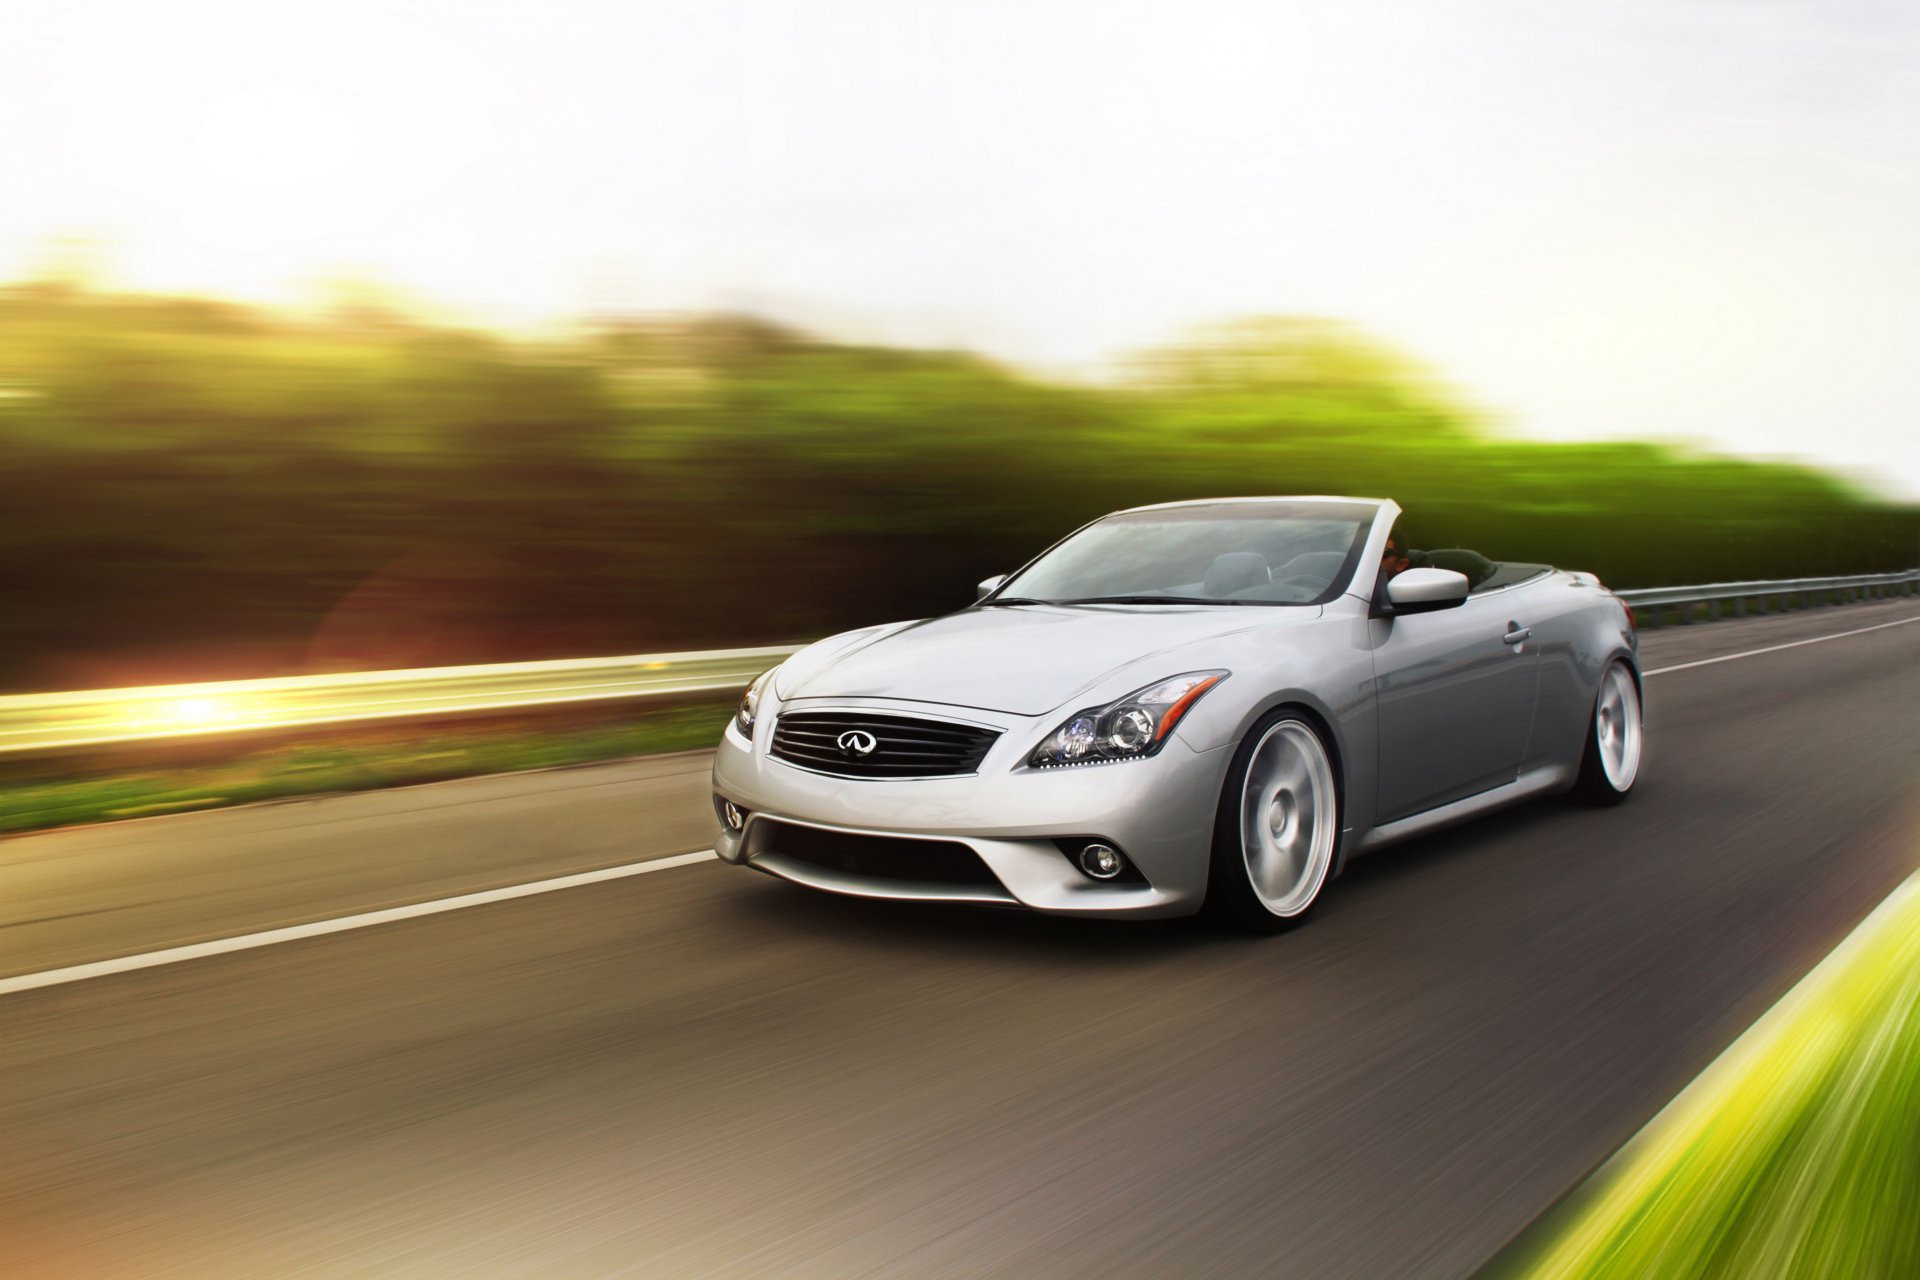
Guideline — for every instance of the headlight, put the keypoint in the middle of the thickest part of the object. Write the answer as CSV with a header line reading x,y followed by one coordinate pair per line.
x,y
1130,729
749,709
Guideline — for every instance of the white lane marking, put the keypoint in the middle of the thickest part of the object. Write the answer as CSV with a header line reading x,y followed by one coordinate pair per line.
x,y
318,928
1775,648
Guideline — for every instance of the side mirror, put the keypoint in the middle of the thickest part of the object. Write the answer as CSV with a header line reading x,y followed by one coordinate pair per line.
x,y
987,586
1425,590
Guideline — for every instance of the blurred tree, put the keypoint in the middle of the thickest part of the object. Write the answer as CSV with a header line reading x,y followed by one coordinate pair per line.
x,y
196,489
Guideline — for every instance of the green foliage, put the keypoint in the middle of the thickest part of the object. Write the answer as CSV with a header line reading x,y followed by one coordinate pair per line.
x,y
1794,1155
196,490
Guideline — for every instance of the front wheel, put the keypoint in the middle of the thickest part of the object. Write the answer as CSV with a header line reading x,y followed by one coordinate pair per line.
x,y
1615,739
1277,829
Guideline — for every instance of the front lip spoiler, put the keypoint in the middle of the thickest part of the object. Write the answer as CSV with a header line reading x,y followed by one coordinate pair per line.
x,y
817,877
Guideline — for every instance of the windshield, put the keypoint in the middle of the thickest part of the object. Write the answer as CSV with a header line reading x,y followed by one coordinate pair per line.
x,y
1258,553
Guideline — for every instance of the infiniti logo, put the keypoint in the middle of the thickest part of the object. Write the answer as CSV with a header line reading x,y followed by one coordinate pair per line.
x,y
857,743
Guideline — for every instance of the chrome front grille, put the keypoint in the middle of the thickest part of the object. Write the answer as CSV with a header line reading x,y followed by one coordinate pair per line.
x,y
836,742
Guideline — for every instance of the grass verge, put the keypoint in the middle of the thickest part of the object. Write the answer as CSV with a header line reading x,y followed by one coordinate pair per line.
x,y
1796,1154
121,783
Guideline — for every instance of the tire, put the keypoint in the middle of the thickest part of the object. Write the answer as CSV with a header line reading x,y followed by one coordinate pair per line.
x,y
1616,740
1276,836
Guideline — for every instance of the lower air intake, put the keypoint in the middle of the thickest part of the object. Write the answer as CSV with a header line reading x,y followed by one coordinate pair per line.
x,y
873,857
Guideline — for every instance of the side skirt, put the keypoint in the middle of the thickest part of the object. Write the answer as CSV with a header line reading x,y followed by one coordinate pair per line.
x,y
1534,782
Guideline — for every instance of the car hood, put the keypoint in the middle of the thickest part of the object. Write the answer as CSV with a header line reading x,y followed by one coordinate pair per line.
x,y
1019,659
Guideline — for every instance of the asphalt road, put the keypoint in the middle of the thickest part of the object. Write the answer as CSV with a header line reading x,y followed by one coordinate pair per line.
x,y
704,1072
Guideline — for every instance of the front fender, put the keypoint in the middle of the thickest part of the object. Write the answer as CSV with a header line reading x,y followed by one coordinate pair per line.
x,y
1326,671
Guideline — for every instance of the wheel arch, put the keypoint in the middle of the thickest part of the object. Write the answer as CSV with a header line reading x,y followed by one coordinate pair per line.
x,y
1627,658
1325,725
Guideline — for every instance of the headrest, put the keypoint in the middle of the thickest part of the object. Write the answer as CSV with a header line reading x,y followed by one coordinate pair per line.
x,y
1235,571
1318,564
1476,566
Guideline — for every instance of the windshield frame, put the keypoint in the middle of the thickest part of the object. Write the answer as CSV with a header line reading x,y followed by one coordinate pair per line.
x,y
1365,512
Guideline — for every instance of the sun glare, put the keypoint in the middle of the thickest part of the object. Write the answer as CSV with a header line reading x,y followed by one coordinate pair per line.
x,y
273,151
276,139
196,710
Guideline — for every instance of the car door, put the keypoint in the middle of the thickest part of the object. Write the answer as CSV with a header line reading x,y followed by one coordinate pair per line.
x,y
1454,693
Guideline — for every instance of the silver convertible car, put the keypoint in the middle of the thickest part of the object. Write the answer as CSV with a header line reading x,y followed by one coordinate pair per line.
x,y
1204,704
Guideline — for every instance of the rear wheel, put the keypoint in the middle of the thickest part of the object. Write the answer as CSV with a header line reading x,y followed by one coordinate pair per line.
x,y
1615,739
1277,829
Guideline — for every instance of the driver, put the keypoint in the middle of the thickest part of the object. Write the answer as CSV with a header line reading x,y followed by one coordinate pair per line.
x,y
1396,558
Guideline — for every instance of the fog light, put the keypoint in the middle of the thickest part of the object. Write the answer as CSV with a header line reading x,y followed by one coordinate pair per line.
x,y
1101,861
731,815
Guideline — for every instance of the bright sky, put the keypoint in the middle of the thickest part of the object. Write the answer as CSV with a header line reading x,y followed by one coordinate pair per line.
x,y
1693,219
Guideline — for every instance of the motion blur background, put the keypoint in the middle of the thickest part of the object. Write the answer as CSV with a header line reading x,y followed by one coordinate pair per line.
x,y
363,335
373,334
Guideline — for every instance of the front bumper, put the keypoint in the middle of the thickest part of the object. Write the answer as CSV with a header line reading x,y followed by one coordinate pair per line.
x,y
1159,812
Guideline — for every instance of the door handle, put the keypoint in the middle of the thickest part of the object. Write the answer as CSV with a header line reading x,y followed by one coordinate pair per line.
x,y
1519,634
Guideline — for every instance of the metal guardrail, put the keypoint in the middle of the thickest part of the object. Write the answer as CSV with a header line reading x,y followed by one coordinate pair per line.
x,y
1657,605
97,717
